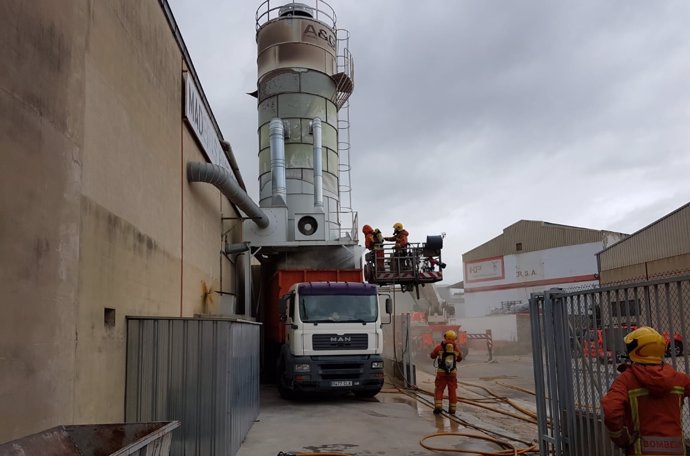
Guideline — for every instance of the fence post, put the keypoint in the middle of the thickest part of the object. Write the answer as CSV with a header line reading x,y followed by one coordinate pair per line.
x,y
564,371
536,305
490,345
408,368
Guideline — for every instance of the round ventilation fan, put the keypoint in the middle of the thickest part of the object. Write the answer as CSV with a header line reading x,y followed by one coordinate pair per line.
x,y
307,225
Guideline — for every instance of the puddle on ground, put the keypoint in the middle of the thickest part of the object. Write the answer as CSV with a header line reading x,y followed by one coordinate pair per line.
x,y
395,399
331,448
444,424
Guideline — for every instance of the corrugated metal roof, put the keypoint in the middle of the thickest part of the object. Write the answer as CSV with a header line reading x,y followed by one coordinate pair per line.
x,y
667,237
533,235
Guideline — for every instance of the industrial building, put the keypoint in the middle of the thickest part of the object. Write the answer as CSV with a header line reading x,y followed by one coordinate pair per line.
x,y
659,250
101,115
529,256
138,271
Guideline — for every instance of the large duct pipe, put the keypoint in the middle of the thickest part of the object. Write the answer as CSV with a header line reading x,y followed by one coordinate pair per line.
x,y
223,181
276,134
318,163
233,163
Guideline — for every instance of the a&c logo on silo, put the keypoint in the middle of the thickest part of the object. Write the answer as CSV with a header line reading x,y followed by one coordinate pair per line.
x,y
323,34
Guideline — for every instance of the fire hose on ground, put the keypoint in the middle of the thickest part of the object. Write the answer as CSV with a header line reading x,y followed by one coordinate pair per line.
x,y
490,436
494,437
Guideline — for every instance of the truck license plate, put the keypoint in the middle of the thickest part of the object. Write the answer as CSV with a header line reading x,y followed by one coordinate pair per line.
x,y
341,383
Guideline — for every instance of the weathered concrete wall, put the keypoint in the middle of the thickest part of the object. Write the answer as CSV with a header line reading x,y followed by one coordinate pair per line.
x,y
130,242
41,131
203,205
98,220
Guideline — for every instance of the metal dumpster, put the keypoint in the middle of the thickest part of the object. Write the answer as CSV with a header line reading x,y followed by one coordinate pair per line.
x,y
138,439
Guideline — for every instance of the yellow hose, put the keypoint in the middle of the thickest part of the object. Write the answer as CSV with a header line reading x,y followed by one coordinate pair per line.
x,y
428,403
532,417
516,388
509,448
529,413
299,453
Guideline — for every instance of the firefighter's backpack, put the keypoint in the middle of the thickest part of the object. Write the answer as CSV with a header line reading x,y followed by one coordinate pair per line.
x,y
448,362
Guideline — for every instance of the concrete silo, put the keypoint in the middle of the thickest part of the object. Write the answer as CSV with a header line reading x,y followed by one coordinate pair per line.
x,y
305,77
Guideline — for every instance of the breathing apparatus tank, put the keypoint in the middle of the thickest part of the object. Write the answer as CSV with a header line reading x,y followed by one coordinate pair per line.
x,y
448,358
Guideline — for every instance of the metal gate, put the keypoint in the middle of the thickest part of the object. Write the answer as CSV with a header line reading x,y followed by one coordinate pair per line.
x,y
577,344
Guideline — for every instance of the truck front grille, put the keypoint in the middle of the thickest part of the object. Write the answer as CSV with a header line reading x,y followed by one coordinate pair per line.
x,y
340,341
330,371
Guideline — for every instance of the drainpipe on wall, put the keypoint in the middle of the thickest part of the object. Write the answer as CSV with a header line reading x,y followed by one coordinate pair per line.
x,y
245,268
276,134
318,163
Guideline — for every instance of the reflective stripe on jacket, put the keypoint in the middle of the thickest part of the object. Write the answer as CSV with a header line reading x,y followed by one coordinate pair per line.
x,y
642,410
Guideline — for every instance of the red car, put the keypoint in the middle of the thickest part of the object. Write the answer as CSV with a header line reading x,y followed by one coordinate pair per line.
x,y
613,348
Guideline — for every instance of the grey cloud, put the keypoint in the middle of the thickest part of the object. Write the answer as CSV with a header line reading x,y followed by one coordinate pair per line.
x,y
470,115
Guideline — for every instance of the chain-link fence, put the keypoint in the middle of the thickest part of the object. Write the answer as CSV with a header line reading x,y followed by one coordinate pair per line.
x,y
577,344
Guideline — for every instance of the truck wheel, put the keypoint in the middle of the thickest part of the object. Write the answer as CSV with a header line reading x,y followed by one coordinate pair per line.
x,y
368,392
283,389
678,349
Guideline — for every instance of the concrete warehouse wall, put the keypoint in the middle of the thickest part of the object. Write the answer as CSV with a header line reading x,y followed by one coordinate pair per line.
x,y
95,209
676,265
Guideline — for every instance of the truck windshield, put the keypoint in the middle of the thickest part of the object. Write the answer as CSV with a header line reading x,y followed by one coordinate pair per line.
x,y
338,309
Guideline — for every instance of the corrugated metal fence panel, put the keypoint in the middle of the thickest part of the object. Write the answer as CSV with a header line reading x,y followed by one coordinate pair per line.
x,y
245,381
202,372
577,345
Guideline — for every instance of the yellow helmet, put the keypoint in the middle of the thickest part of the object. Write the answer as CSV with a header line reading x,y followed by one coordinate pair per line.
x,y
645,346
398,226
450,335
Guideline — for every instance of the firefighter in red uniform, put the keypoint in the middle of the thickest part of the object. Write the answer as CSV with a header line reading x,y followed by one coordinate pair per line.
x,y
642,409
399,236
448,356
373,240
399,260
368,237
378,248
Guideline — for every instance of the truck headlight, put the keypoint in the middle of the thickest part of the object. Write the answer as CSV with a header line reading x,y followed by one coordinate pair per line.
x,y
377,364
302,368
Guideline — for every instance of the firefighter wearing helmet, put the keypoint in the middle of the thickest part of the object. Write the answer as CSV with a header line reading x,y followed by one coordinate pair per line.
x,y
399,236
400,261
373,240
448,356
642,409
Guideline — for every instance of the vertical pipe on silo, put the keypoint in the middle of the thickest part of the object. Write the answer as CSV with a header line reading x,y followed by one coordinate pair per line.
x,y
277,138
318,163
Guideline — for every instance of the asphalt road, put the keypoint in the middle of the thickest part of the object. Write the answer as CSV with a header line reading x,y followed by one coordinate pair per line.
x,y
392,423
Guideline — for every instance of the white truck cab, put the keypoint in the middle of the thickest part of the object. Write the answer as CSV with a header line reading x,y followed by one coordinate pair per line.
x,y
334,339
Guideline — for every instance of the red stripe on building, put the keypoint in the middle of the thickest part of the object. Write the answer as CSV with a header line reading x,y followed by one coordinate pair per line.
x,y
534,283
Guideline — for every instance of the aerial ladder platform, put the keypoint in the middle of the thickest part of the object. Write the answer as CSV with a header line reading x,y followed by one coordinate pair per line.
x,y
415,265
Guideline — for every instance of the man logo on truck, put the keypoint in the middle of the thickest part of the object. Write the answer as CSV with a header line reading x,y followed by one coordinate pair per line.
x,y
341,340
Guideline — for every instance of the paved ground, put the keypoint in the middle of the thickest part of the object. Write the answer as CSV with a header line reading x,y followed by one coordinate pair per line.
x,y
390,424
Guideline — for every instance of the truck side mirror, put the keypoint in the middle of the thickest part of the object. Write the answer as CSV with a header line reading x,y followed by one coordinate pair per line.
x,y
389,306
282,308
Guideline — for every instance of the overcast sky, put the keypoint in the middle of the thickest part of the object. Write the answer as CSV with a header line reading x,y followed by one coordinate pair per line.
x,y
468,116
